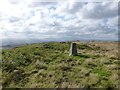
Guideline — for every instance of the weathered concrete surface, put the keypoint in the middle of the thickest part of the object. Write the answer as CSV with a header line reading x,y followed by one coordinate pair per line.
x,y
73,49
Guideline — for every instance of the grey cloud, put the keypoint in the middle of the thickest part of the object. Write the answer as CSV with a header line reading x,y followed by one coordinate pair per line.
x,y
75,7
14,1
38,4
13,19
100,11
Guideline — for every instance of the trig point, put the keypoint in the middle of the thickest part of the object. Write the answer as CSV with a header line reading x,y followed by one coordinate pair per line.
x,y
73,49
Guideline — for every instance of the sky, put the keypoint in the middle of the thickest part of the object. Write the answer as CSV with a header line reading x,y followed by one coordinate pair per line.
x,y
58,20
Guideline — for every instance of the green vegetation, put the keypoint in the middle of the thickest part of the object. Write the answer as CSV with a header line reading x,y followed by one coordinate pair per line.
x,y
48,65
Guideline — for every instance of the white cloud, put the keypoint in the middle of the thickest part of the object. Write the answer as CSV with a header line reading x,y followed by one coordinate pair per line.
x,y
113,22
58,20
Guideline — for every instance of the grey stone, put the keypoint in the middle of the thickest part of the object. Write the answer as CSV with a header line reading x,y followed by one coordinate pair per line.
x,y
73,49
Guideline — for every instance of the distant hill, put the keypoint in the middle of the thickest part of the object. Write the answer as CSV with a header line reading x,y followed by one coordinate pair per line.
x,y
13,42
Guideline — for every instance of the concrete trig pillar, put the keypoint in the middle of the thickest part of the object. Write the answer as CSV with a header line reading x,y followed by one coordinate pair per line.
x,y
73,49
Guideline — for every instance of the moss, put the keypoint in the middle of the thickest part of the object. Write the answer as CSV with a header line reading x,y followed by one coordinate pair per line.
x,y
102,72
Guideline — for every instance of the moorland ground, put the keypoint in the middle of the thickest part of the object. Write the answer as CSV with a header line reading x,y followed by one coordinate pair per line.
x,y
48,65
